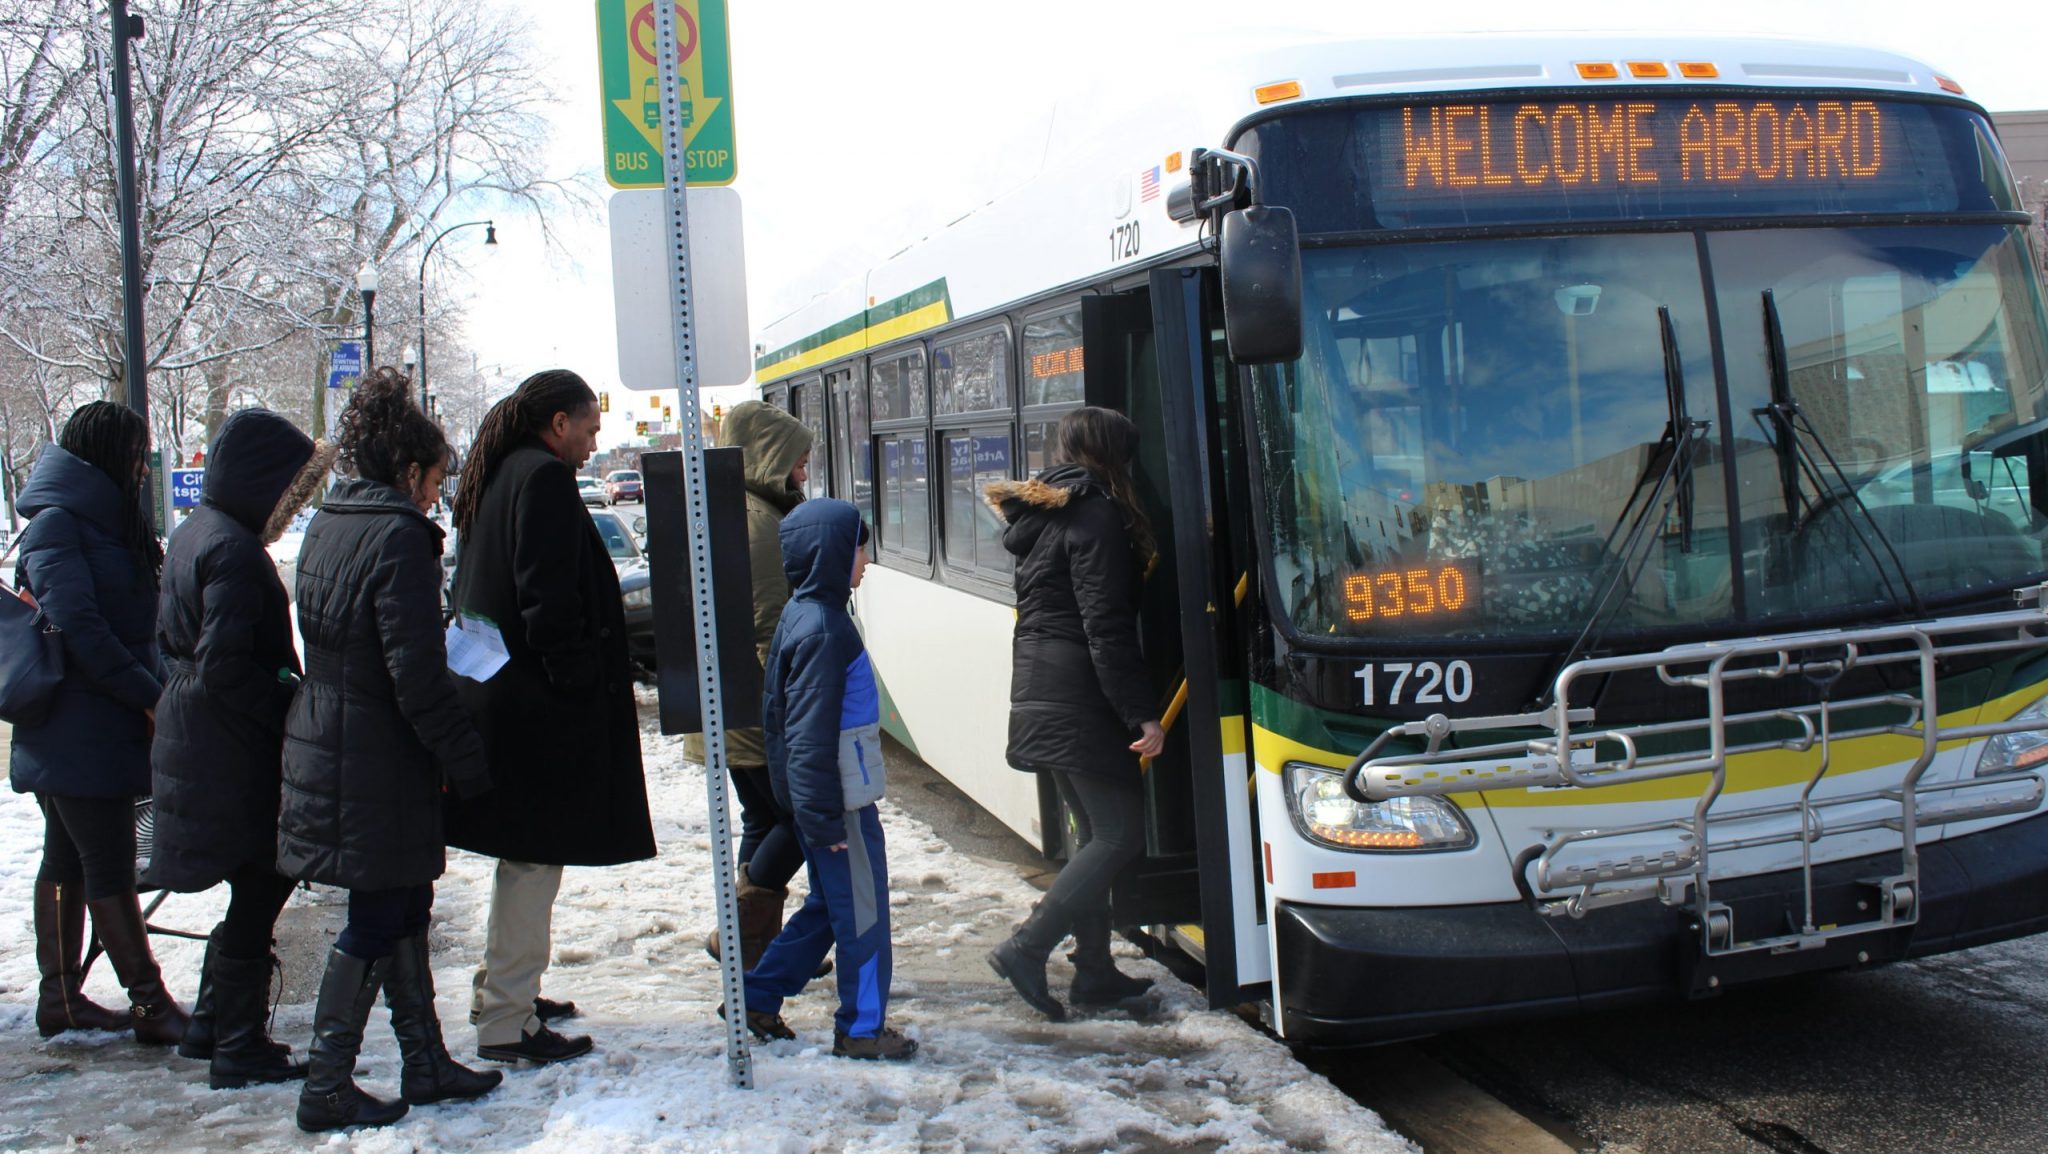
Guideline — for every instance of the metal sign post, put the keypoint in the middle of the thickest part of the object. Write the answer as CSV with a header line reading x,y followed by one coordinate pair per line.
x,y
739,1062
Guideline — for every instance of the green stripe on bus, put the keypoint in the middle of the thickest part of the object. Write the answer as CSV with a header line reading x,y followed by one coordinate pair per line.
x,y
924,296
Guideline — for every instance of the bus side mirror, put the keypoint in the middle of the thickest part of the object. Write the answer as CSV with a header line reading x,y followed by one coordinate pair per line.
x,y
1261,285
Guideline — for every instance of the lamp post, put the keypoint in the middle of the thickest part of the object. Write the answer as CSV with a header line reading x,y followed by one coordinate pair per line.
x,y
366,284
490,239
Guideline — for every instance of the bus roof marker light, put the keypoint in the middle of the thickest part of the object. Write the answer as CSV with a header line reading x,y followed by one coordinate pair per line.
x,y
1173,162
1947,85
1649,70
1698,70
1273,93
1597,70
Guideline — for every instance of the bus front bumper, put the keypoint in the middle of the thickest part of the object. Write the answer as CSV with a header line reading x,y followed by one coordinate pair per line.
x,y
1351,976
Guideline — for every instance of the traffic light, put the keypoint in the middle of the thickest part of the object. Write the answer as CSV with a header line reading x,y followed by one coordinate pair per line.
x,y
604,402
666,413
717,412
639,428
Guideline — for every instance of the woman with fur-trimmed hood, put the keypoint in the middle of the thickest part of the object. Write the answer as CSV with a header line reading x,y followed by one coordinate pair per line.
x,y
224,625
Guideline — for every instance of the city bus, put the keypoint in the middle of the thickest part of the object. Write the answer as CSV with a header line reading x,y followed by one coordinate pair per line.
x,y
1600,489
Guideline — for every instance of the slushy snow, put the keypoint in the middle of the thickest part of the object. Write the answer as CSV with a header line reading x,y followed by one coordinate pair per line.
x,y
992,1076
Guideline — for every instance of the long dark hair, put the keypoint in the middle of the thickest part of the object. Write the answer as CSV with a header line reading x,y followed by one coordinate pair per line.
x,y
1105,442
113,439
382,434
530,408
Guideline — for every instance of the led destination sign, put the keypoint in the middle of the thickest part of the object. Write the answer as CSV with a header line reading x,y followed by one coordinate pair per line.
x,y
1598,144
1467,162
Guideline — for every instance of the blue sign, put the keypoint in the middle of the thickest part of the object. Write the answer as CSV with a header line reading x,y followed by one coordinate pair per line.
x,y
345,364
185,486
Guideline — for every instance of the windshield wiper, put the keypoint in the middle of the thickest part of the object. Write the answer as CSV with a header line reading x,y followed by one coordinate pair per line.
x,y
1683,438
1797,459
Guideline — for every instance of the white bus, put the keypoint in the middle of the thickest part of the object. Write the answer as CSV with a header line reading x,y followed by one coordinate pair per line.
x,y
1602,493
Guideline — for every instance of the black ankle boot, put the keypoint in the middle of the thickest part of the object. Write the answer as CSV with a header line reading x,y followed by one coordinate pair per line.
x,y
430,1074
331,1100
1022,960
1097,981
243,1052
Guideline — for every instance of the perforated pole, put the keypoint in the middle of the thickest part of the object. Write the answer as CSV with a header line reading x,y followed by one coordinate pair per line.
x,y
738,1060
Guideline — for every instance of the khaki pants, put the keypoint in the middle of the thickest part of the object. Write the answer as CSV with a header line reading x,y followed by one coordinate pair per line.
x,y
516,949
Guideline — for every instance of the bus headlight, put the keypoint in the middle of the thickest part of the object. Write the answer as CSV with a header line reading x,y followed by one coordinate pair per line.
x,y
2026,749
1326,815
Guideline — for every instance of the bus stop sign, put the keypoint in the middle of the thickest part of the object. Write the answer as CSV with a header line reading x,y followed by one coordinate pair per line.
x,y
632,92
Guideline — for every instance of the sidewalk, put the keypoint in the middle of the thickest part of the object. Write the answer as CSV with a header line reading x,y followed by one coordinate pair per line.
x,y
628,950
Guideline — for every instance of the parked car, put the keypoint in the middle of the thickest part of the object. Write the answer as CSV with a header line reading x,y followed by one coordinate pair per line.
x,y
623,485
593,491
635,584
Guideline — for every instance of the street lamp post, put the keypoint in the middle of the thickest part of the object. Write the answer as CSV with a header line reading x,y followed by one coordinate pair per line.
x,y
490,238
366,284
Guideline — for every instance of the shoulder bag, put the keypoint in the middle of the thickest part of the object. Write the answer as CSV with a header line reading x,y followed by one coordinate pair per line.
x,y
31,653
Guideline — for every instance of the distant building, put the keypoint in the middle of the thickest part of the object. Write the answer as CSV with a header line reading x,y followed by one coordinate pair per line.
x,y
2024,136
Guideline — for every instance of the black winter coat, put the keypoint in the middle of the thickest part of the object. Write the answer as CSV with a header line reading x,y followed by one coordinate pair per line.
x,y
559,718
74,560
225,628
376,729
1078,687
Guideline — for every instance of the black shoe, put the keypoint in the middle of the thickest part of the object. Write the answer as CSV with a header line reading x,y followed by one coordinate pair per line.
x,y
764,1026
1097,981
330,1099
430,1074
542,1046
1024,965
243,1052
549,1010
198,1041
887,1046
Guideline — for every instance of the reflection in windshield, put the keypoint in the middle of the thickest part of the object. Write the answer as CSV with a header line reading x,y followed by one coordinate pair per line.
x,y
1476,430
616,541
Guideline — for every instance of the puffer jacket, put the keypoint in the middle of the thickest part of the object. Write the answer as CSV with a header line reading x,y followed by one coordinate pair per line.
x,y
772,442
819,704
376,729
225,628
76,563
1078,687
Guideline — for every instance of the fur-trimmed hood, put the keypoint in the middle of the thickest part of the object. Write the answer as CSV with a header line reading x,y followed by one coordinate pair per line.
x,y
1025,505
261,470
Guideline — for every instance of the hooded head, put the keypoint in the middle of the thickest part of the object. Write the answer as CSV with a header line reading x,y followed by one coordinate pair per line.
x,y
773,442
261,470
819,542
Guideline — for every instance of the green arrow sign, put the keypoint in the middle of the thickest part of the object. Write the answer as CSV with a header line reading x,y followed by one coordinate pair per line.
x,y
632,92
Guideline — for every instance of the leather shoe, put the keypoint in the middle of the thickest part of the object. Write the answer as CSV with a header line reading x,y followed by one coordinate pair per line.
x,y
541,1046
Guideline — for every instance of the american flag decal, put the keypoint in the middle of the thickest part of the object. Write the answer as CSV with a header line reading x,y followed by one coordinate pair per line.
x,y
1148,184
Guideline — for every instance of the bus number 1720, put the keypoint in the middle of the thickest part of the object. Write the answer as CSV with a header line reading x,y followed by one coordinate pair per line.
x,y
1431,683
1123,241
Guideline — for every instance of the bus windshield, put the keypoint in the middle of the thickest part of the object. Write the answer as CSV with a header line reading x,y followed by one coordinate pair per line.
x,y
1488,438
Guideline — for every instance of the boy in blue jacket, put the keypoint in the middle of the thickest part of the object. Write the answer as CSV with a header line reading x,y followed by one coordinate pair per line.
x,y
822,716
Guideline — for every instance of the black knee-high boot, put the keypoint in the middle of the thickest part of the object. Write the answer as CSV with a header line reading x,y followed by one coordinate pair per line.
x,y
243,1052
1022,958
331,1100
430,1074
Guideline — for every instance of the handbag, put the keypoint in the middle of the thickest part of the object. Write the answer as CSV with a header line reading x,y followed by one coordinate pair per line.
x,y
31,654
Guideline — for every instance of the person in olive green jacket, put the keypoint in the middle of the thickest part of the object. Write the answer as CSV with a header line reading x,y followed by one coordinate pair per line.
x,y
777,449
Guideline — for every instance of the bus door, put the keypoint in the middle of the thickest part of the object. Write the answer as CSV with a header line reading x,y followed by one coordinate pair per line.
x,y
846,389
1145,356
807,404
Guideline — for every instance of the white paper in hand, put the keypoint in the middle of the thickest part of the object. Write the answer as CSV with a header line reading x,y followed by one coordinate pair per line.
x,y
475,648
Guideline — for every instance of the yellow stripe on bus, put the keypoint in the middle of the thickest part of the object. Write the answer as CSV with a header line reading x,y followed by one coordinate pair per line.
x,y
1770,769
914,321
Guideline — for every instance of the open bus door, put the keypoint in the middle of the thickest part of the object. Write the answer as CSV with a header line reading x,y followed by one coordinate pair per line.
x,y
1147,355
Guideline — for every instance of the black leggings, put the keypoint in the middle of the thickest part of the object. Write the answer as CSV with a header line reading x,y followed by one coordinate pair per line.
x,y
1109,816
256,894
90,840
379,919
768,845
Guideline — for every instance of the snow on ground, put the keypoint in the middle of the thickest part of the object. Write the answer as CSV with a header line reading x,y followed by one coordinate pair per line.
x,y
992,1076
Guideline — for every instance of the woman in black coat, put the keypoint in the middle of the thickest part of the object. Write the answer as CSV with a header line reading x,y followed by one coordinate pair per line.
x,y
559,720
1081,706
224,625
374,736
91,558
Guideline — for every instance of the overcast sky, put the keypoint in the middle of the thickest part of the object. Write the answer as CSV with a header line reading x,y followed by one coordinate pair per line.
x,y
863,127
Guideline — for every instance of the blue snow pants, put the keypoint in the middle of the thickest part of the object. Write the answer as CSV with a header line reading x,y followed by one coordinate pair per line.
x,y
848,908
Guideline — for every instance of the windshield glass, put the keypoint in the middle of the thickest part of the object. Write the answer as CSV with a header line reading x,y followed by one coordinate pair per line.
x,y
625,476
1479,439
617,541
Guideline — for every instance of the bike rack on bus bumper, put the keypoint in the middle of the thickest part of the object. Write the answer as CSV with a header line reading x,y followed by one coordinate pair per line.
x,y
1574,752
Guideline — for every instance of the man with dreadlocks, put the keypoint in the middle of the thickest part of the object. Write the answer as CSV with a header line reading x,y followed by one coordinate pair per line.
x,y
559,719
91,558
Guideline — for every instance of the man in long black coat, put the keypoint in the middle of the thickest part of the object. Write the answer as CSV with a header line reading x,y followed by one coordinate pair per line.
x,y
559,719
